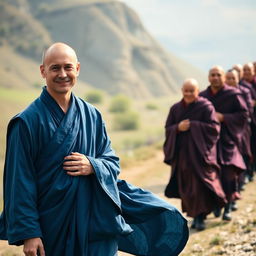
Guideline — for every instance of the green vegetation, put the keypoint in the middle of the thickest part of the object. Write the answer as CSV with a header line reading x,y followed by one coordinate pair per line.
x,y
151,106
216,240
120,103
94,97
126,121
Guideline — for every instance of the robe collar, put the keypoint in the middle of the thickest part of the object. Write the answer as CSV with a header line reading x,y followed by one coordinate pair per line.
x,y
53,106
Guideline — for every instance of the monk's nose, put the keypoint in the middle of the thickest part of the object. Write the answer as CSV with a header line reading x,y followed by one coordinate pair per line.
x,y
62,73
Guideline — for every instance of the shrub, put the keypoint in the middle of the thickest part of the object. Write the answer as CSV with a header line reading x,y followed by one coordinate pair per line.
x,y
94,97
126,121
120,103
151,106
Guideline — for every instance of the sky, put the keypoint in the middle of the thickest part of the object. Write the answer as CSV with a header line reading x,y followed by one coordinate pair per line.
x,y
202,32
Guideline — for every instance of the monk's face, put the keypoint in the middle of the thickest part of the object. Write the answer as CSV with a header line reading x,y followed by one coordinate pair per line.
x,y
254,65
232,78
190,92
248,72
216,78
239,69
60,70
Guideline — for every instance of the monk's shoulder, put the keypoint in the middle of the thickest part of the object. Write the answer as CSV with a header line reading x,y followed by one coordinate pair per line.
x,y
31,113
205,92
204,102
232,91
176,106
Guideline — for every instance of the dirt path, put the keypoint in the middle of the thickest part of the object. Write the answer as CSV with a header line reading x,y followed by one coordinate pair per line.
x,y
153,175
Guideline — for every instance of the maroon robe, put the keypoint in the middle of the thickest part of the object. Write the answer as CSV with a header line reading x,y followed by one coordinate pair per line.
x,y
252,88
230,103
245,147
192,155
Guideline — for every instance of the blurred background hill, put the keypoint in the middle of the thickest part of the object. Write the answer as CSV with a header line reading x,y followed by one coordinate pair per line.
x,y
117,54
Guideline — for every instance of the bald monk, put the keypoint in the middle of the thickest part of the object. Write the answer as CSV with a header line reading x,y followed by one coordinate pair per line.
x,y
248,79
232,113
61,191
232,79
249,82
192,131
239,69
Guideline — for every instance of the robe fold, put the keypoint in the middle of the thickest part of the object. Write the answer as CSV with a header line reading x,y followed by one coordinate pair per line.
x,y
231,104
245,146
85,215
192,155
252,88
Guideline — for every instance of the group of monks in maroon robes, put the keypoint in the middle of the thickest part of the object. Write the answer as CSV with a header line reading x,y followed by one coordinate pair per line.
x,y
211,143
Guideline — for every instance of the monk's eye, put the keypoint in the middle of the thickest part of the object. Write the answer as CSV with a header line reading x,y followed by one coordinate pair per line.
x,y
54,68
69,68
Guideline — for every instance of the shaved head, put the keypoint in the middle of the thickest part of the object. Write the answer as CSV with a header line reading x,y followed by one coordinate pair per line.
x,y
248,69
190,90
192,82
232,78
239,69
60,68
216,77
57,48
217,67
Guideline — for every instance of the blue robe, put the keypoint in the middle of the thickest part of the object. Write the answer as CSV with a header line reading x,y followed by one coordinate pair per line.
x,y
86,215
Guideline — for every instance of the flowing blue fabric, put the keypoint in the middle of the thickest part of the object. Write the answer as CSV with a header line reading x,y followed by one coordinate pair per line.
x,y
92,215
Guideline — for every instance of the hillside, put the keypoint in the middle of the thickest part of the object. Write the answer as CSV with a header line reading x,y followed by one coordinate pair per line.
x,y
116,52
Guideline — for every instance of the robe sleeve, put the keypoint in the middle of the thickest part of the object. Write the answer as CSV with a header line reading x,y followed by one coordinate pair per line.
x,y
235,122
171,129
20,190
205,134
106,165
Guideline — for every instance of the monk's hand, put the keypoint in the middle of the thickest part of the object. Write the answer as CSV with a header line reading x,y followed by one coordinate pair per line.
x,y
220,117
77,164
184,125
33,246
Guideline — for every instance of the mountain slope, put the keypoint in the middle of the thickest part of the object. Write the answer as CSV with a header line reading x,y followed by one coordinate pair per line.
x,y
116,52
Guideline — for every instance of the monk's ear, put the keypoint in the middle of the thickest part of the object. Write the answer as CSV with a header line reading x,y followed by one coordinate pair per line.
x,y
78,68
42,70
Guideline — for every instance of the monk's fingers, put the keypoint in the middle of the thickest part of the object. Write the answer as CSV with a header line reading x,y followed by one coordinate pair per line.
x,y
72,167
41,250
71,163
79,173
73,157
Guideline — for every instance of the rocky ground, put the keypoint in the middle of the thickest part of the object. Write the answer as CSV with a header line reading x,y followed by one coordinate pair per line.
x,y
234,238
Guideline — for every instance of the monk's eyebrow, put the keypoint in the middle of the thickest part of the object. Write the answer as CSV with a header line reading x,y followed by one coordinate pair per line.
x,y
54,66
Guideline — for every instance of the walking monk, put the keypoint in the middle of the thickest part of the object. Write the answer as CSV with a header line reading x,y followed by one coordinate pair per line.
x,y
232,113
192,131
62,196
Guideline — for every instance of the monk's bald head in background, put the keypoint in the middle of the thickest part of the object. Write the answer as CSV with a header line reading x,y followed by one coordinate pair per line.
x,y
190,90
248,69
232,78
239,69
216,78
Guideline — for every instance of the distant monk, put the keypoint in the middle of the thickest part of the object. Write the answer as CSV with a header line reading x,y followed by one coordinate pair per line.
x,y
232,113
239,69
254,64
248,82
248,79
232,79
192,131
